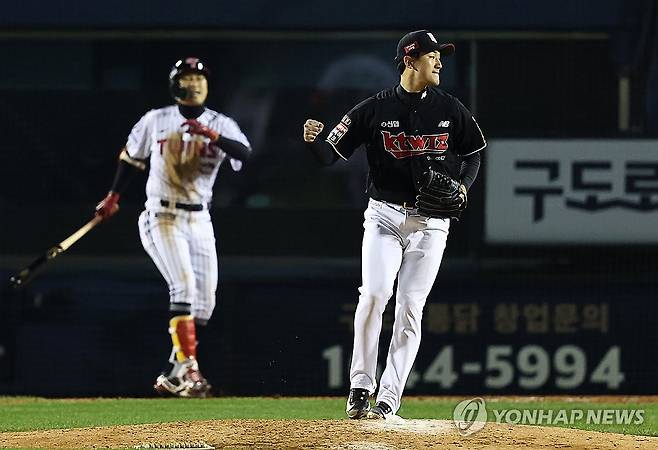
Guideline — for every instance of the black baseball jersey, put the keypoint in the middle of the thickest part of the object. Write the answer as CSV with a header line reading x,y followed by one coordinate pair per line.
x,y
404,134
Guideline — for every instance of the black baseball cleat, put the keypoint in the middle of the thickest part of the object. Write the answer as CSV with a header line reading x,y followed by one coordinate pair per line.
x,y
358,403
381,410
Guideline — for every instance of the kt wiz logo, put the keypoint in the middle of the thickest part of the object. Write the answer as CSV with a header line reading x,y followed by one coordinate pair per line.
x,y
402,145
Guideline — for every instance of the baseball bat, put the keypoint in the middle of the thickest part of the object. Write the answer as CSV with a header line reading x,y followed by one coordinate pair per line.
x,y
25,275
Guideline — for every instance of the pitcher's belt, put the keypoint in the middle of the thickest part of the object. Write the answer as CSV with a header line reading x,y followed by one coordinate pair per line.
x,y
404,205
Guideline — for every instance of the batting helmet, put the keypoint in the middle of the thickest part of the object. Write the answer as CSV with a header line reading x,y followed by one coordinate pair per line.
x,y
183,66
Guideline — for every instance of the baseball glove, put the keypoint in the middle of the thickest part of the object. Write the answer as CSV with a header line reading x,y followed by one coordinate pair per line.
x,y
440,196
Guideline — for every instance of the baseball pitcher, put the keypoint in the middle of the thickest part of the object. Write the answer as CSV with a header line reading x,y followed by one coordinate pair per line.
x,y
184,145
423,149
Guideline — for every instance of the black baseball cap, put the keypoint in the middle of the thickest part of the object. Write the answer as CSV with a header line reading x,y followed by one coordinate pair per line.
x,y
421,41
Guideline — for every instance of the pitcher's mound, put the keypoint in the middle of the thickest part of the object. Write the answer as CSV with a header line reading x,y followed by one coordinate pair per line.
x,y
326,434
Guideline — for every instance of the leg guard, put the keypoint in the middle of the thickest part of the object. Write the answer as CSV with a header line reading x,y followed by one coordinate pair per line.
x,y
183,337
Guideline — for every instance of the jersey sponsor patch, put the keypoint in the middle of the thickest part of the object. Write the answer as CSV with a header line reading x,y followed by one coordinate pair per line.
x,y
402,145
391,124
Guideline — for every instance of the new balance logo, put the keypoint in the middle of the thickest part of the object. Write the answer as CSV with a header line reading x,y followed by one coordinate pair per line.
x,y
444,124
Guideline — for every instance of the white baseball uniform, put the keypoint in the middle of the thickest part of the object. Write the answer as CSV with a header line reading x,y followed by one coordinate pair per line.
x,y
175,228
397,242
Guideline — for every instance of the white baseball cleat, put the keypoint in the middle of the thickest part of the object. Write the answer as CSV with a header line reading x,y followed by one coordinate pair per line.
x,y
185,380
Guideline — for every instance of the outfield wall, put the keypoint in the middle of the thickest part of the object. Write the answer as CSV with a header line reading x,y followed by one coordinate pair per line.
x,y
284,327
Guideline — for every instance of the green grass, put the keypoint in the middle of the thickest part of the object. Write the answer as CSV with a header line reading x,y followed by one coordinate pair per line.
x,y
648,428
29,413
442,409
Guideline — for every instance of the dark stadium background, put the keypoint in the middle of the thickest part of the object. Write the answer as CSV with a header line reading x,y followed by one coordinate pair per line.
x,y
75,76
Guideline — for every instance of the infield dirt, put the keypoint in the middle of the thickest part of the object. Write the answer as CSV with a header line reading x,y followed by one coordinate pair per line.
x,y
326,434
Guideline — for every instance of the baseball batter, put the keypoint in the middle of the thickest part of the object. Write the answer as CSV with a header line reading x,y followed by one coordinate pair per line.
x,y
184,145
422,147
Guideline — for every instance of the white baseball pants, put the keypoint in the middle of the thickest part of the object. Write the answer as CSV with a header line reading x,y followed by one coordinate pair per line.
x,y
396,243
182,246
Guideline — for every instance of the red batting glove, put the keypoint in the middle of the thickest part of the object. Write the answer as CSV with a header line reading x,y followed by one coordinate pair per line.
x,y
108,206
195,127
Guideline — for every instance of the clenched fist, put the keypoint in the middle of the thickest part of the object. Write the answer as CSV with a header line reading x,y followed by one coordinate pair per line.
x,y
311,129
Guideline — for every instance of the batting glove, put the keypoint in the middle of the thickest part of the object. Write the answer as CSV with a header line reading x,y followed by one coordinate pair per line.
x,y
108,206
195,127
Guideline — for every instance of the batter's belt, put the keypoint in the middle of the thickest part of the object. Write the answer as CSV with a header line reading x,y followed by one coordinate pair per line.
x,y
184,206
